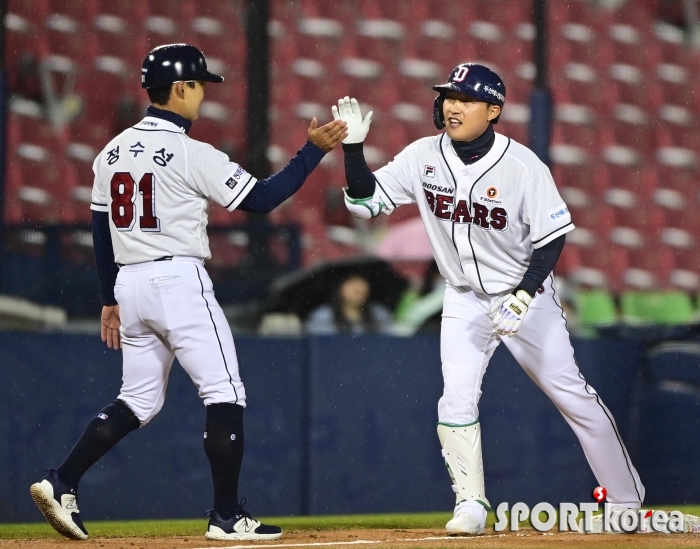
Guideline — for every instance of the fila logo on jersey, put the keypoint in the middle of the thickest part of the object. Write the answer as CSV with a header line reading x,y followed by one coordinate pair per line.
x,y
444,207
429,171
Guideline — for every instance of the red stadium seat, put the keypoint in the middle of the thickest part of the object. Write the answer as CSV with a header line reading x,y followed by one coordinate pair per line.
x,y
581,84
630,126
81,157
135,13
35,11
83,11
71,37
121,37
44,185
658,261
221,39
610,260
576,125
26,45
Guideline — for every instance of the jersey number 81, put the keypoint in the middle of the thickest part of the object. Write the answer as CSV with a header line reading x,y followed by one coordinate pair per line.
x,y
123,191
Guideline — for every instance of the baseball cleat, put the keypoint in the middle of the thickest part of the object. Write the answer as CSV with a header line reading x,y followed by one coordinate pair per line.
x,y
59,505
469,520
239,527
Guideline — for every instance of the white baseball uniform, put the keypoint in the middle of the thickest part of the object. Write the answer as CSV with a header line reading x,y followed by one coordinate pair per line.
x,y
484,220
156,183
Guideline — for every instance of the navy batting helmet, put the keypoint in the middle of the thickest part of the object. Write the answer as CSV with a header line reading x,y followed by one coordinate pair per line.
x,y
175,62
474,80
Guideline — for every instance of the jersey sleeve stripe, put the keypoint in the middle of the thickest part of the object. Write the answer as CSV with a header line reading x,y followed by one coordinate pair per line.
x,y
98,204
383,191
245,187
554,234
99,207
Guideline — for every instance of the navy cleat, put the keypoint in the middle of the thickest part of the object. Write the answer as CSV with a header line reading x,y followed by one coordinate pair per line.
x,y
239,527
59,504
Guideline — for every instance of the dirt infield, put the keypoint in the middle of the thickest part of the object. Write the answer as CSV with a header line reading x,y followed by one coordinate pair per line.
x,y
380,538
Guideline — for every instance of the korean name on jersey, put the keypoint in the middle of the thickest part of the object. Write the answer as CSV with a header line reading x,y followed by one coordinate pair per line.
x,y
156,184
483,220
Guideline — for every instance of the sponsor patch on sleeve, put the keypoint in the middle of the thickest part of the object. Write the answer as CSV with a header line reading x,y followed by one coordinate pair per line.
x,y
236,178
559,214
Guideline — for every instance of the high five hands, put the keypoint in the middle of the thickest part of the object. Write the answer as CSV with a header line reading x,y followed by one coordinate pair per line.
x,y
327,137
348,110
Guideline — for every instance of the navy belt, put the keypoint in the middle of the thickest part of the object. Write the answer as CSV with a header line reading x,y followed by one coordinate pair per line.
x,y
164,258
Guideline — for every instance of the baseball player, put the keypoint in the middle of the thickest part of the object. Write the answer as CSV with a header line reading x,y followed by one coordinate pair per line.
x,y
152,189
497,225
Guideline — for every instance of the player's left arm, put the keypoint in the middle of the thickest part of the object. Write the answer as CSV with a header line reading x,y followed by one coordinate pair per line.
x,y
508,312
549,220
107,268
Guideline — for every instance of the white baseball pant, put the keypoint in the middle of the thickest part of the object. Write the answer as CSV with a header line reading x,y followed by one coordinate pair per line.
x,y
543,349
168,310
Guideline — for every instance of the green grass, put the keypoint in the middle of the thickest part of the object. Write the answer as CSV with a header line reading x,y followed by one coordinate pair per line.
x,y
196,527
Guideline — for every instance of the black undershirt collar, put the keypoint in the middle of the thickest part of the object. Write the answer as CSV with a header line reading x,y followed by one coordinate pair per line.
x,y
170,116
471,151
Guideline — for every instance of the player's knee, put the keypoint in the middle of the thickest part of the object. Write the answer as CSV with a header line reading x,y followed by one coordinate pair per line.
x,y
457,411
115,418
143,409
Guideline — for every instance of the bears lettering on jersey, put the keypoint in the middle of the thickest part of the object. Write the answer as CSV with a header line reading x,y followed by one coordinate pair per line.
x,y
444,207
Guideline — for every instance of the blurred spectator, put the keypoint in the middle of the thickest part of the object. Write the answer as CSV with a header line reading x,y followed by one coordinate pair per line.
x,y
421,309
350,311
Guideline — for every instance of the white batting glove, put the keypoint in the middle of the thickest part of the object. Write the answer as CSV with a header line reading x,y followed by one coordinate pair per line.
x,y
348,110
509,312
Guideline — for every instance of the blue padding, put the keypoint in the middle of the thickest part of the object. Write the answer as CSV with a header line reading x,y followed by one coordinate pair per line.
x,y
675,360
336,424
374,444
374,414
670,449
53,384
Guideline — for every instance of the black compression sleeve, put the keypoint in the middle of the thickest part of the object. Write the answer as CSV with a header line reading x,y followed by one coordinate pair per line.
x,y
269,193
542,263
107,269
357,173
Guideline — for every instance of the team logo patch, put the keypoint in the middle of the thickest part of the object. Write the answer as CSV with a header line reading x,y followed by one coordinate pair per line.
x,y
429,171
231,183
492,192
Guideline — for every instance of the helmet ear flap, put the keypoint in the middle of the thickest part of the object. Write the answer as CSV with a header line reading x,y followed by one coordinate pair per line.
x,y
438,116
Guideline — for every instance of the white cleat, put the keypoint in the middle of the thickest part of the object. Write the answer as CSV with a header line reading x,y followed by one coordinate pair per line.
x,y
239,527
469,520
59,505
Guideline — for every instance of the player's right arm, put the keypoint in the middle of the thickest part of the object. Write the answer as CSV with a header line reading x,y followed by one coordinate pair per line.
x,y
369,194
228,184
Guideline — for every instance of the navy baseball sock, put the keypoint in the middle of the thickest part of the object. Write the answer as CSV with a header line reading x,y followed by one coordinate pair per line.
x,y
102,433
223,443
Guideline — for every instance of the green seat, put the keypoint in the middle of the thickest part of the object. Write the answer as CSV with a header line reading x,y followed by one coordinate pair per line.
x,y
595,308
668,308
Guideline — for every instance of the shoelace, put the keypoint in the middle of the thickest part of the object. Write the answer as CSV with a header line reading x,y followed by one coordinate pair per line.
x,y
245,514
240,513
